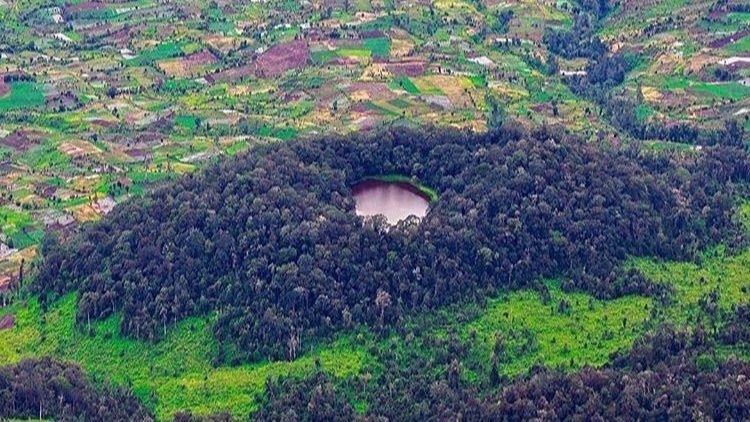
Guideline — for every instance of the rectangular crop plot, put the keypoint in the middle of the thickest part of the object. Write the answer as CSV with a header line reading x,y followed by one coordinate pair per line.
x,y
379,47
22,95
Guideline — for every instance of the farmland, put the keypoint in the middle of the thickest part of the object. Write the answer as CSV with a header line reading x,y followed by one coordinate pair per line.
x,y
119,93
102,107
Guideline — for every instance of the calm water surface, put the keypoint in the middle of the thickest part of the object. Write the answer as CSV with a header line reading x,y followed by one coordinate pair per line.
x,y
394,200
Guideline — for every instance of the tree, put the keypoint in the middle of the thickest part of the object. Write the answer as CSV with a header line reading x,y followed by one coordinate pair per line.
x,y
553,67
382,301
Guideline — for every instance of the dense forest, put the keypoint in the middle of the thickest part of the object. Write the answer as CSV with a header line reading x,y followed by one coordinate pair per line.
x,y
49,389
271,242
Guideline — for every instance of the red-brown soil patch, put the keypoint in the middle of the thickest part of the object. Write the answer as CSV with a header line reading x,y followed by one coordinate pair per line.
x,y
19,140
80,7
716,14
4,88
232,75
200,58
408,66
736,67
122,36
95,30
730,39
541,107
344,61
375,91
8,321
283,57
103,123
372,34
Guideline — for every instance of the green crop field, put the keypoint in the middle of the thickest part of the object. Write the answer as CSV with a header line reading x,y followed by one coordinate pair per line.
x,y
740,46
379,47
23,95
162,51
734,91
407,85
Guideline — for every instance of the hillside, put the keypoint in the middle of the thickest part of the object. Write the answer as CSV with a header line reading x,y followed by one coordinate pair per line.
x,y
191,324
184,235
102,101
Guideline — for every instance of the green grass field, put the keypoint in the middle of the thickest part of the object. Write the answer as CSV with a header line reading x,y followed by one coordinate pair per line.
x,y
538,333
731,90
22,95
728,275
740,46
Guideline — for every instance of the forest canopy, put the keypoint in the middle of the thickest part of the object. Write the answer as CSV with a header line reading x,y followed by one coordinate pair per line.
x,y
270,241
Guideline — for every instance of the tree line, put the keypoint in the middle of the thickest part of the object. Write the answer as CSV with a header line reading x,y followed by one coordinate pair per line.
x,y
49,389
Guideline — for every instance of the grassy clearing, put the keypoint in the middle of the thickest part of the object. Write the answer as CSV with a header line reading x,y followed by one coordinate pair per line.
x,y
171,375
727,275
535,332
745,215
731,90
237,147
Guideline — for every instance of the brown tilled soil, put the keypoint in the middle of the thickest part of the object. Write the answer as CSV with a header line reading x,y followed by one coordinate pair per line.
x,y
7,322
19,140
4,88
732,38
282,57
203,57
80,7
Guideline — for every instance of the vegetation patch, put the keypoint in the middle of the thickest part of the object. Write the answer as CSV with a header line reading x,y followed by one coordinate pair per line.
x,y
556,329
175,374
23,95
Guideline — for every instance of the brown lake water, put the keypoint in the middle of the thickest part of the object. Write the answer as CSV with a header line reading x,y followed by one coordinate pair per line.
x,y
394,200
